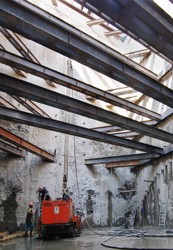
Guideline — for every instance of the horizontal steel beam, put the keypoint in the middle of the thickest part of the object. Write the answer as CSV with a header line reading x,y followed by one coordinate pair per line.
x,y
122,164
62,127
12,138
59,78
134,16
120,158
12,150
30,91
59,36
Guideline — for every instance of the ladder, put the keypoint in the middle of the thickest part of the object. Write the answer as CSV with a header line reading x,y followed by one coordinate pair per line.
x,y
38,216
162,214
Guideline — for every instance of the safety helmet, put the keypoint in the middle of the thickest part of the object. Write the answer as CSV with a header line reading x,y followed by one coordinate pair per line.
x,y
30,204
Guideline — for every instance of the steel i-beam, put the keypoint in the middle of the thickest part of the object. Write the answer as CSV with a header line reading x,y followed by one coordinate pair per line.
x,y
139,19
120,158
62,127
6,135
59,78
32,22
21,88
12,150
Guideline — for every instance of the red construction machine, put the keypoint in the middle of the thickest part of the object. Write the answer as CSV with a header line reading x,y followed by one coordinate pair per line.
x,y
59,218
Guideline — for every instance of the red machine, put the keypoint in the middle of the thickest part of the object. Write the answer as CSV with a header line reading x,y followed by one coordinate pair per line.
x,y
59,218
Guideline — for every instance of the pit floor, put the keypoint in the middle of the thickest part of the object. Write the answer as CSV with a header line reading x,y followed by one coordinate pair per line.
x,y
91,241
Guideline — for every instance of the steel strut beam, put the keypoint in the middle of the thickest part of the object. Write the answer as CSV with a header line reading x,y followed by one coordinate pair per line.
x,y
52,75
119,159
21,88
12,150
8,136
61,37
62,127
122,164
134,16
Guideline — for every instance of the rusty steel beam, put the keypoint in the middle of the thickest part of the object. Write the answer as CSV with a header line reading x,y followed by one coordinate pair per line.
x,y
59,78
62,127
122,164
12,150
12,138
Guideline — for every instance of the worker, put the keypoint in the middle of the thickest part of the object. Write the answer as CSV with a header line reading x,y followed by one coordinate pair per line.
x,y
39,191
47,197
44,193
65,196
29,220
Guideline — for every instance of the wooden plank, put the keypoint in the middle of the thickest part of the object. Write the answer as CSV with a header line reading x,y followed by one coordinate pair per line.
x,y
2,234
6,236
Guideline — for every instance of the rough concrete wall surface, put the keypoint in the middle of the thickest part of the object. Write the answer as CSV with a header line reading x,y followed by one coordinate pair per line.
x,y
154,187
